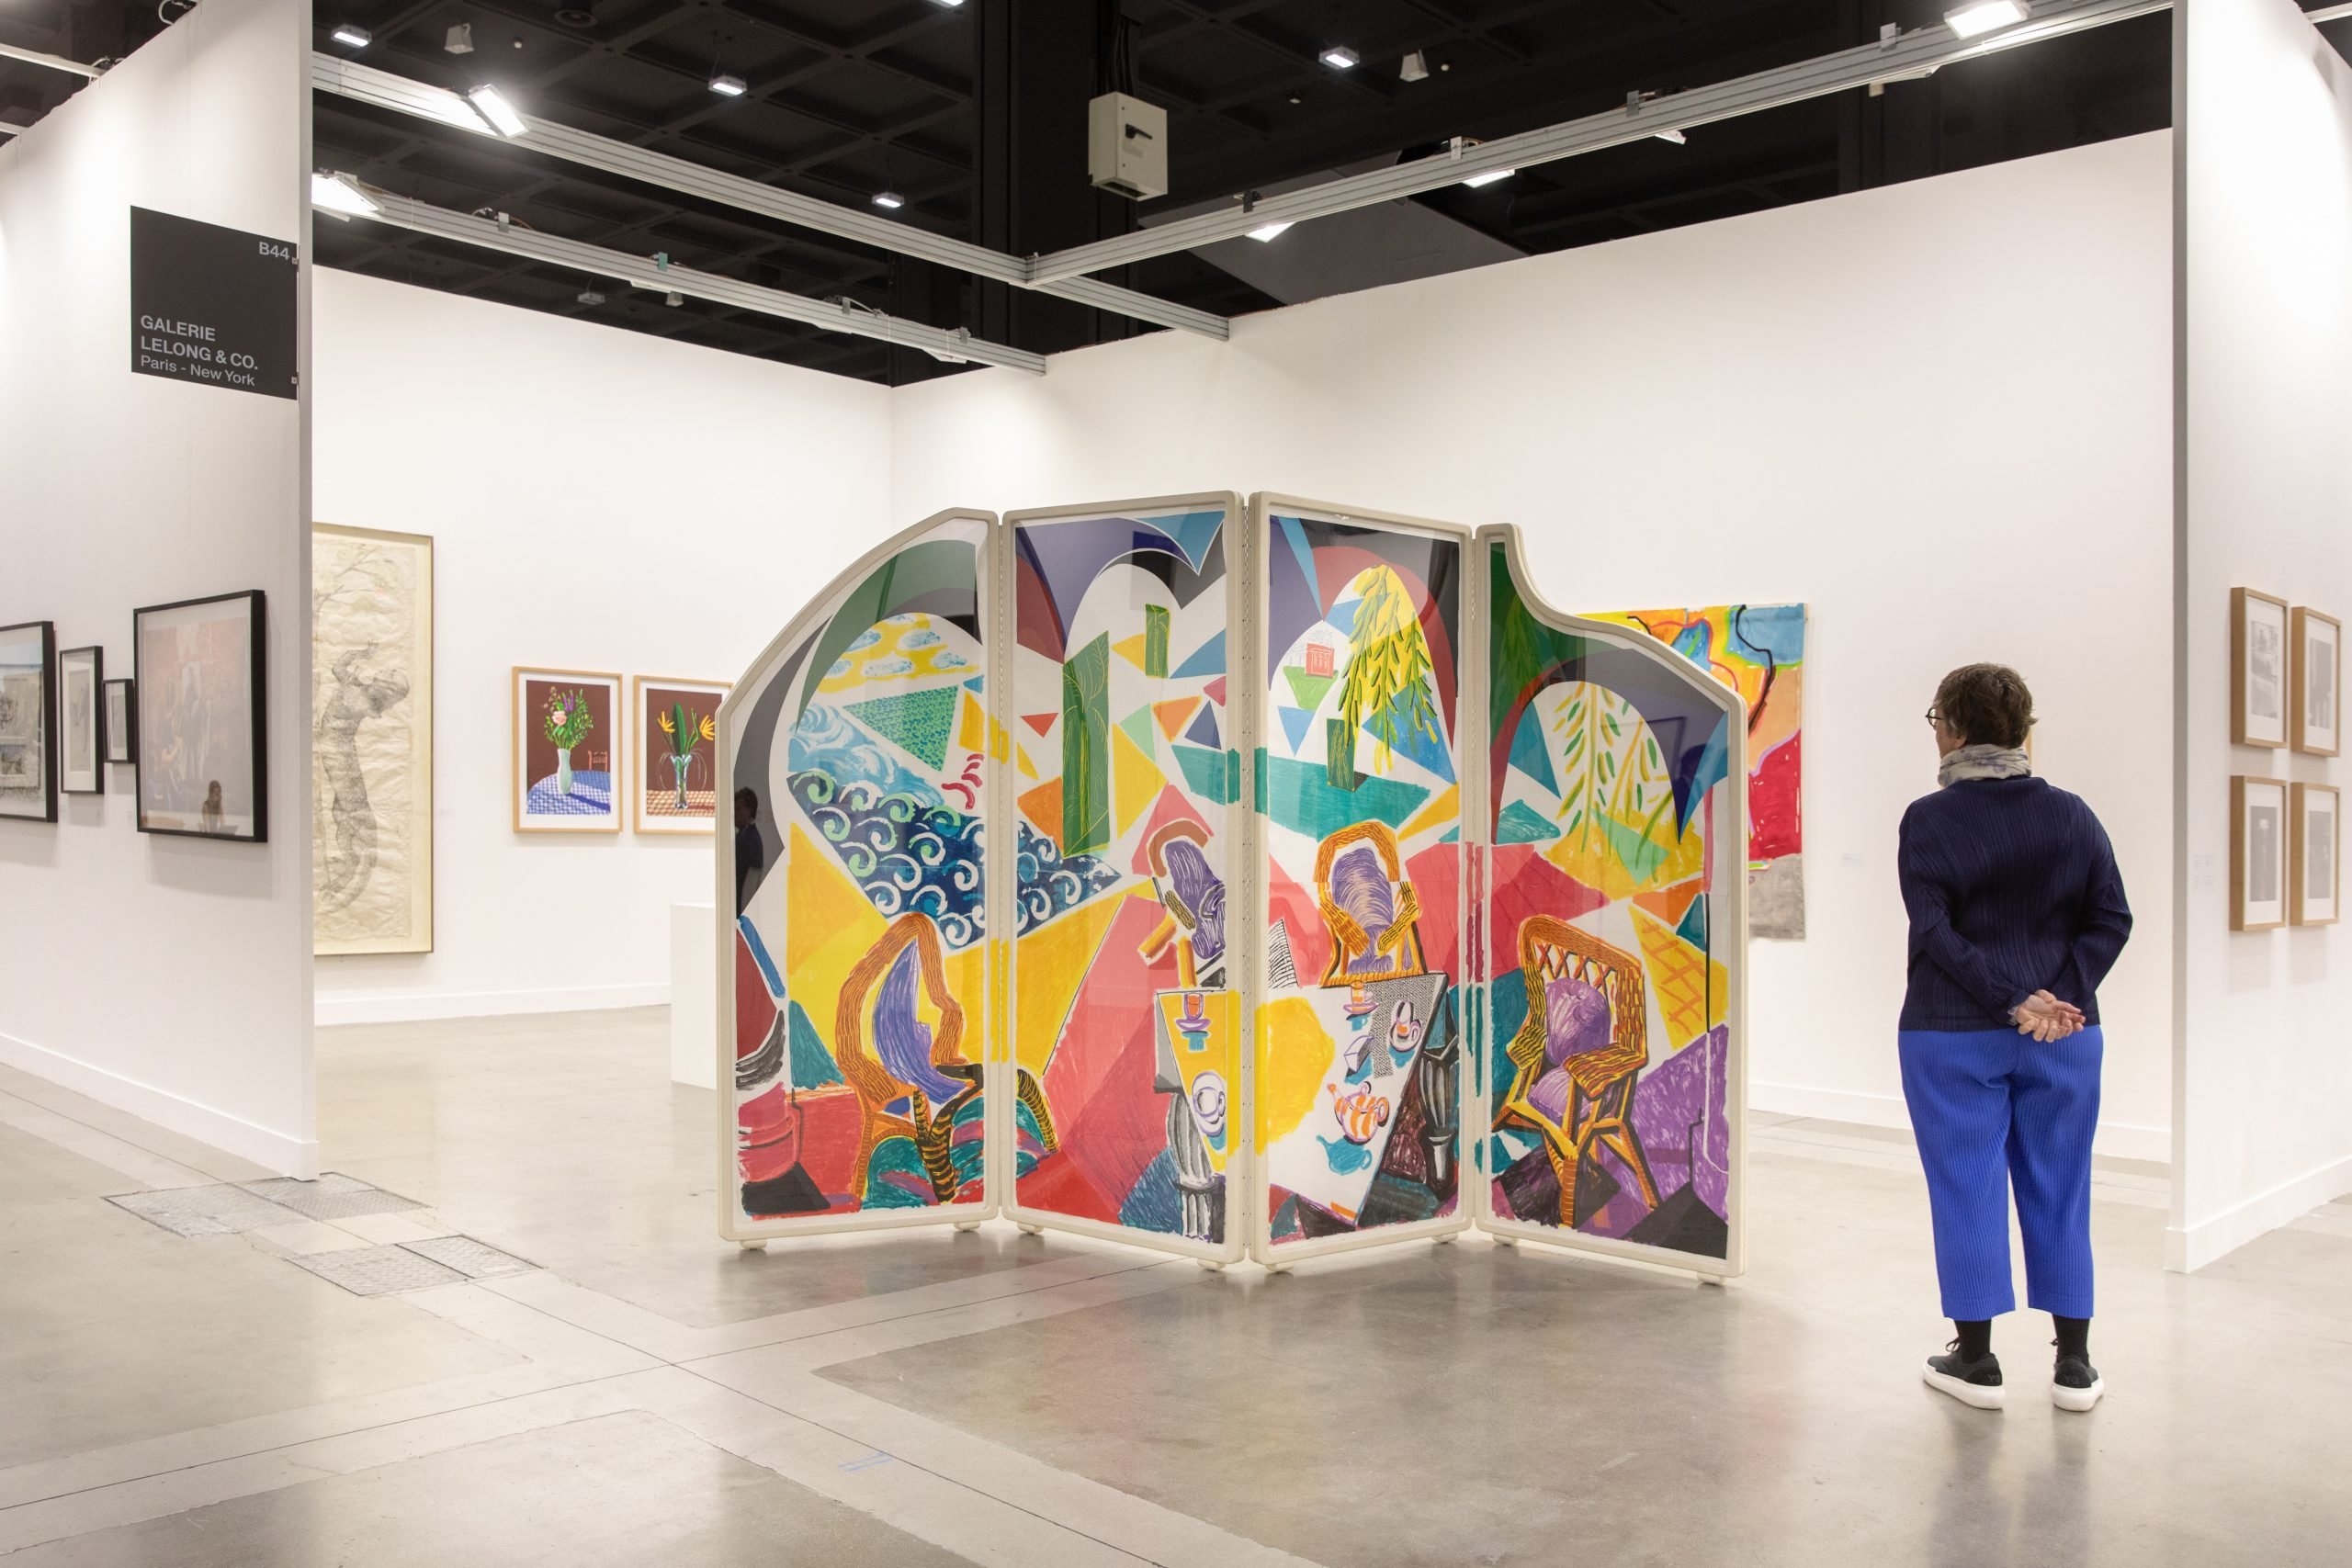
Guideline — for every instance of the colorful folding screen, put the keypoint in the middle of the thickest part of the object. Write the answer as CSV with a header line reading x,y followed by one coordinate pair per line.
x,y
1234,882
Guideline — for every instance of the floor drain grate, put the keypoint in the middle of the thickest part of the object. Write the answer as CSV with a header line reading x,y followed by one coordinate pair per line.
x,y
330,1196
474,1259
377,1271
219,1210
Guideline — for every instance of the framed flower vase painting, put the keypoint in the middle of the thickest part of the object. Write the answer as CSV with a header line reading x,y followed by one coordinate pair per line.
x,y
2319,677
2258,669
28,722
2258,830
674,779
202,669
80,721
2313,859
568,751
122,723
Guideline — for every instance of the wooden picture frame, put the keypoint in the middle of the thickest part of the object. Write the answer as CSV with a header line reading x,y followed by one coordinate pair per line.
x,y
2316,706
2258,669
2258,859
568,799
122,723
29,722
2315,845
80,721
648,792
190,717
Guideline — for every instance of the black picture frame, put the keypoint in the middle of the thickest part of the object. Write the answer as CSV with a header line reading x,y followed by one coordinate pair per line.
x,y
121,740
97,719
44,716
257,697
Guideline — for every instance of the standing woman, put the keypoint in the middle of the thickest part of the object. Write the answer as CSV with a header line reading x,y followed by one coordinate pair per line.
x,y
2017,915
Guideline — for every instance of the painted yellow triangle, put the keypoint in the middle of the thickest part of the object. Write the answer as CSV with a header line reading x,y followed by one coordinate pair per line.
x,y
1028,768
972,734
1053,960
1130,649
1440,813
1135,782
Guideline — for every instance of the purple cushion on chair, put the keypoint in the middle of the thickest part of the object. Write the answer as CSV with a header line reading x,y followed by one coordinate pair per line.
x,y
1549,1094
1576,1020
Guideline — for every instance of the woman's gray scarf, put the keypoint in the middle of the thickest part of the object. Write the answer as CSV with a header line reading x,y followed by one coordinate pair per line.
x,y
1983,762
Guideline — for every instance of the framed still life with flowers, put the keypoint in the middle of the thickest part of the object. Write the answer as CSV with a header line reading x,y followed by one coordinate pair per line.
x,y
674,784
568,751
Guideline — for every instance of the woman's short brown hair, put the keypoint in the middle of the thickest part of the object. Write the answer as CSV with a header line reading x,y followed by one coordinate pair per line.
x,y
1986,704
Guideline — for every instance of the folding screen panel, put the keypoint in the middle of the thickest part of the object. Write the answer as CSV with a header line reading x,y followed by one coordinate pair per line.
x,y
1359,796
1614,935
1126,1023
855,993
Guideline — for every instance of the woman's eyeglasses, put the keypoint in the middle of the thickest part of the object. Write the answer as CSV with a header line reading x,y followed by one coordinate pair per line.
x,y
1934,718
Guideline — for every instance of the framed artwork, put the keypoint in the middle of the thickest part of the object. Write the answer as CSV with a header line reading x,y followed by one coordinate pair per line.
x,y
371,741
567,750
2313,858
28,758
2258,669
202,729
80,721
2258,831
2319,677
674,771
121,722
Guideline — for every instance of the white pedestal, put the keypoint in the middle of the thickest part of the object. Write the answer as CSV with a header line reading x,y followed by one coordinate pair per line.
x,y
694,995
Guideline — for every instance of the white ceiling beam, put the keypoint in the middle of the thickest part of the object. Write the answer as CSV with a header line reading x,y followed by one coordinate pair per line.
x,y
644,271
54,62
1916,53
364,84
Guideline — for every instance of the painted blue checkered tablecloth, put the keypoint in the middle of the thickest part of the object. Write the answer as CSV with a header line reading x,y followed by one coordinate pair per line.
x,y
592,795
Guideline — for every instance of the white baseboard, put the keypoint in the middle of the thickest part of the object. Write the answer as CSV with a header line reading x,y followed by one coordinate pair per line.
x,y
2190,1247
280,1152
2117,1140
329,1008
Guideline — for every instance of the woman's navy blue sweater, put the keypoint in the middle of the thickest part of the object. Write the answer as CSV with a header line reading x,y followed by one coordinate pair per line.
x,y
2012,889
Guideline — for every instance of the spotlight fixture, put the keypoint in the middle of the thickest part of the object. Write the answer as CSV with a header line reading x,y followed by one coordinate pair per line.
x,y
947,4
460,40
1266,231
592,295
728,86
1489,177
495,111
674,297
1339,57
352,37
1415,69
1981,16
1674,136
340,194
890,199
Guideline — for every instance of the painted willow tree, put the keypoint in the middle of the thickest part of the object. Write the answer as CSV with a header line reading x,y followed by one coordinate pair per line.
x,y
1387,689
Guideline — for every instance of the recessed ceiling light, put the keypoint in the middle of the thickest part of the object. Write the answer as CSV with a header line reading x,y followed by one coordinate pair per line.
x,y
1265,231
1981,16
1489,177
728,86
592,295
340,194
1674,136
889,198
947,4
1416,68
1339,57
495,111
352,36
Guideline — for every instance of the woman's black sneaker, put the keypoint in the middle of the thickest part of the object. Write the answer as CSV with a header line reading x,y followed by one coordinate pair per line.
x,y
1976,1382
2075,1385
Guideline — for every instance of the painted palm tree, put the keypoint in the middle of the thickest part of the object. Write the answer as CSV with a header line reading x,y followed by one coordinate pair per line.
x,y
684,733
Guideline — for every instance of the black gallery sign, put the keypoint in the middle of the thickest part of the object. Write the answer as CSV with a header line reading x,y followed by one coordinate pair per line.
x,y
211,305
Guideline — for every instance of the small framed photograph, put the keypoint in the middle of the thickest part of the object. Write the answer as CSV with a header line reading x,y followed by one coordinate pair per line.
x,y
2258,831
568,751
2313,859
2319,677
80,721
2257,669
29,722
676,771
122,723
202,729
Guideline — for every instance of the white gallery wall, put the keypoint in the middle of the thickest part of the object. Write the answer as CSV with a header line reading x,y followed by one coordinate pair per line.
x,y
2265,110
1939,414
166,976
598,500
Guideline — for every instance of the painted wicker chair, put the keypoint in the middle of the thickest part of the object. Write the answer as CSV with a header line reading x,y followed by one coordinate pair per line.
x,y
1192,895
1580,1098
1371,912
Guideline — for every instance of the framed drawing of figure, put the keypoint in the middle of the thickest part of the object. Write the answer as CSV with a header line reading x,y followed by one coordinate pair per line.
x,y
2258,831
28,722
80,721
567,754
202,668
673,779
2257,669
2319,677
121,724
2313,860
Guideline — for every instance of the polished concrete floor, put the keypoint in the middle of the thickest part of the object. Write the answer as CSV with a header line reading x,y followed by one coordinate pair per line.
x,y
647,1394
